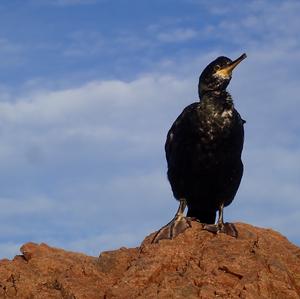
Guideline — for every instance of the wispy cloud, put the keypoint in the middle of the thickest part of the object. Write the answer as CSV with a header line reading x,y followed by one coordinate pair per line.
x,y
84,138
67,2
177,35
11,53
85,44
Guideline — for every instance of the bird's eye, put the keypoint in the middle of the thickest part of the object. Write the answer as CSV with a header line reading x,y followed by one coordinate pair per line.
x,y
217,67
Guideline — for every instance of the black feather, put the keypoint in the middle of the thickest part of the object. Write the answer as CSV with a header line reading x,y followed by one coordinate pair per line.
x,y
204,146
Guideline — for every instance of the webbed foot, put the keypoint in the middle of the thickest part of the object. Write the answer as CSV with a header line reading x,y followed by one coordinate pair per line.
x,y
175,227
225,228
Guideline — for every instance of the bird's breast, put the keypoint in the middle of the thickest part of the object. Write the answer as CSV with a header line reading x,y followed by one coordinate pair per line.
x,y
217,124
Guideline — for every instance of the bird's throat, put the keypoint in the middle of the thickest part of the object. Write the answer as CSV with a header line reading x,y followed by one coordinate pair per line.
x,y
217,100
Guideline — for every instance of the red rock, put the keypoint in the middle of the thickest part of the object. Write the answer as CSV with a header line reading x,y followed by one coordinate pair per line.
x,y
260,263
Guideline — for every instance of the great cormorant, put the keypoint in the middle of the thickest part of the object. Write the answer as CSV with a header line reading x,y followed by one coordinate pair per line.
x,y
203,151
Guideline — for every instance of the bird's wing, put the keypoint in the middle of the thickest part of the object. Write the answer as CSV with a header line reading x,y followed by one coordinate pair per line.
x,y
178,131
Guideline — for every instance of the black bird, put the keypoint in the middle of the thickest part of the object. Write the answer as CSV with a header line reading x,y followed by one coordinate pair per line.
x,y
203,151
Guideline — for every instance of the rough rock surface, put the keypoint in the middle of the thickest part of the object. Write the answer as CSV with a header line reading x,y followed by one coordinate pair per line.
x,y
260,263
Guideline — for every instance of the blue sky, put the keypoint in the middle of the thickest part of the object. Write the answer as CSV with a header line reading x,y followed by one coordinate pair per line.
x,y
88,90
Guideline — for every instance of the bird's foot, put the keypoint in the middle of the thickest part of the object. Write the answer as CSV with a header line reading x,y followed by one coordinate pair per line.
x,y
175,227
225,228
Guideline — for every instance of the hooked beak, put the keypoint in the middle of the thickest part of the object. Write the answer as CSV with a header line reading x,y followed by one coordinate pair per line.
x,y
226,71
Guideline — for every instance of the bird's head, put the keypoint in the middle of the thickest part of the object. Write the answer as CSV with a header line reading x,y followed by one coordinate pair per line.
x,y
217,75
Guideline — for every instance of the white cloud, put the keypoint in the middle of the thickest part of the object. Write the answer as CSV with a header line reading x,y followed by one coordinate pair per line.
x,y
61,148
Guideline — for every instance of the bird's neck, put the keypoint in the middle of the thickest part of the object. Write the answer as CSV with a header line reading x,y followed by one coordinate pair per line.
x,y
220,99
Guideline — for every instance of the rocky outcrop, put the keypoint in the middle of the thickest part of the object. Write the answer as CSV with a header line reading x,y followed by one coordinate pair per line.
x,y
260,263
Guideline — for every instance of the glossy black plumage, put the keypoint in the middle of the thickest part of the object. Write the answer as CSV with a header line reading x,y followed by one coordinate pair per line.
x,y
204,146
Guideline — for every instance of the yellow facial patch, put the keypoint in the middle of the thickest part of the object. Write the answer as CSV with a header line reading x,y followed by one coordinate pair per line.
x,y
224,73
